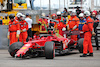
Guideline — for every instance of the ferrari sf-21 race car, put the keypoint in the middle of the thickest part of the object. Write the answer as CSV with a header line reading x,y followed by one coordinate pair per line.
x,y
47,45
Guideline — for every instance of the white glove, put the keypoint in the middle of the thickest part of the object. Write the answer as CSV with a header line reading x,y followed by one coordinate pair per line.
x,y
52,27
74,27
81,32
18,32
24,30
68,27
63,29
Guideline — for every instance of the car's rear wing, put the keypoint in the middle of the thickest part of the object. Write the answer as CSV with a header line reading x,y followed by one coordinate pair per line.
x,y
50,19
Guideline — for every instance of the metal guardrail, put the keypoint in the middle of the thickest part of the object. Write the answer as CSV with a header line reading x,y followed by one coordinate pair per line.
x,y
93,39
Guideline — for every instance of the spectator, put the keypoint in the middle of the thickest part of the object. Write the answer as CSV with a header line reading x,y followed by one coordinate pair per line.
x,y
29,21
65,12
78,11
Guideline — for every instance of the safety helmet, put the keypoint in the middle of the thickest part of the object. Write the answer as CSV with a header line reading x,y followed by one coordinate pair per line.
x,y
11,16
73,13
23,17
87,13
54,14
94,12
81,15
58,13
19,14
43,14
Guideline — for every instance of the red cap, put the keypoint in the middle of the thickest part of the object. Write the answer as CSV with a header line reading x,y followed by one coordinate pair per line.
x,y
54,14
94,12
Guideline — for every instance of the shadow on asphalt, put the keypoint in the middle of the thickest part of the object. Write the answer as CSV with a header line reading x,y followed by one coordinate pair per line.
x,y
43,57
67,54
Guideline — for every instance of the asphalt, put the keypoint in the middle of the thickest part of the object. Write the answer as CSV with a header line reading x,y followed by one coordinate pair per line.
x,y
69,60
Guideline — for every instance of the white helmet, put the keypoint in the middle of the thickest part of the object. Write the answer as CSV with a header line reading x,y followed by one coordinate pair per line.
x,y
43,14
87,13
81,15
73,13
58,13
19,14
23,17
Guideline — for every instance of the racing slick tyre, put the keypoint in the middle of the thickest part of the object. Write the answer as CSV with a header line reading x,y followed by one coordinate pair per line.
x,y
49,50
13,48
80,45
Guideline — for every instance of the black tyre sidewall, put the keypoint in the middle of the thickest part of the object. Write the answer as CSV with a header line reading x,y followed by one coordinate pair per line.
x,y
49,50
80,45
13,47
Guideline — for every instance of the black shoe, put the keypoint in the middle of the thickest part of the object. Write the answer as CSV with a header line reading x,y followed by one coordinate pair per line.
x,y
84,55
97,48
90,54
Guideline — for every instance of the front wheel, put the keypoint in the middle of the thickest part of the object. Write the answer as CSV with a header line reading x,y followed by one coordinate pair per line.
x,y
49,50
13,48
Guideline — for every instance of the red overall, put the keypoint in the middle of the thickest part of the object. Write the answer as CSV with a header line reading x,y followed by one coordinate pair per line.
x,y
13,27
87,29
60,25
23,34
73,21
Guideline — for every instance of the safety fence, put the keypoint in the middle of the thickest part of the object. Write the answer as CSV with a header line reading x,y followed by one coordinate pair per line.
x,y
98,35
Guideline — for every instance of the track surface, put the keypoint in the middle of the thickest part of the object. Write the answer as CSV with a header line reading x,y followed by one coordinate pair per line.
x,y
69,60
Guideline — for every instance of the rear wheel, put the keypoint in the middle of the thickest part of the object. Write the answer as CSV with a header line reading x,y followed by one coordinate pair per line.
x,y
80,45
49,50
14,48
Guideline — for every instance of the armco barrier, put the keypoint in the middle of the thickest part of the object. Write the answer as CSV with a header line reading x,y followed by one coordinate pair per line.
x,y
3,37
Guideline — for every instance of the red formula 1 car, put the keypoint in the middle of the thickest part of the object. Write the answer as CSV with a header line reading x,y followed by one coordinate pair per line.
x,y
43,44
